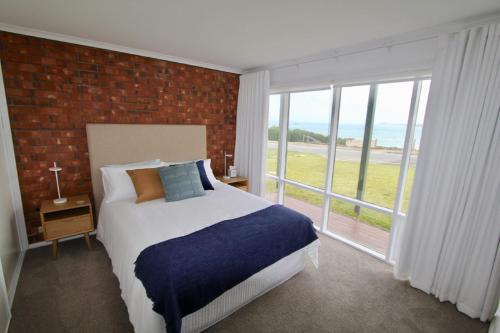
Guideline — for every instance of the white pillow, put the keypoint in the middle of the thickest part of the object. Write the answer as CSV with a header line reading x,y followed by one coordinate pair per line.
x,y
117,183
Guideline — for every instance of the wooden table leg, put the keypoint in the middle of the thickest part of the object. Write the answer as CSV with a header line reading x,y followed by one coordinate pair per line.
x,y
54,249
87,241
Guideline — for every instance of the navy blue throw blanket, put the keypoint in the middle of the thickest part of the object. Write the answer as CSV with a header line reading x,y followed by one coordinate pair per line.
x,y
184,274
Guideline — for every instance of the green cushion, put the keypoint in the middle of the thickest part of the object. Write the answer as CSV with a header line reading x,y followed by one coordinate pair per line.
x,y
181,181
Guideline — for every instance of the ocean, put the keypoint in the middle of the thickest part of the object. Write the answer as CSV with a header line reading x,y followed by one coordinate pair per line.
x,y
387,135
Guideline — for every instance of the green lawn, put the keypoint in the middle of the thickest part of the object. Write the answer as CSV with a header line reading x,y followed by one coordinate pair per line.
x,y
310,168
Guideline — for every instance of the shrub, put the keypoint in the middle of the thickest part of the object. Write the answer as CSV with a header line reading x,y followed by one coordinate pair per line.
x,y
298,135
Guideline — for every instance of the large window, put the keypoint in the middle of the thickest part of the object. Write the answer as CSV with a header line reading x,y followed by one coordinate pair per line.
x,y
346,156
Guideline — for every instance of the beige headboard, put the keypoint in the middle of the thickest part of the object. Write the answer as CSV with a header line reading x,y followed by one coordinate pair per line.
x,y
122,143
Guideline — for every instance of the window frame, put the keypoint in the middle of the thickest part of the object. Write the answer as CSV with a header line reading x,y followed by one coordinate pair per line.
x,y
397,216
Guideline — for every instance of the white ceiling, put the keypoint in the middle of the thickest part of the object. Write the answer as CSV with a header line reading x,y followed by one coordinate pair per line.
x,y
240,34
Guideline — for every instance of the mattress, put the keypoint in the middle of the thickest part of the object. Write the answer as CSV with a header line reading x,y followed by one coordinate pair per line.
x,y
126,228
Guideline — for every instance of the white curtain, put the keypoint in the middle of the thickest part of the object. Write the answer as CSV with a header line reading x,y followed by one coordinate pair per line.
x,y
450,243
251,128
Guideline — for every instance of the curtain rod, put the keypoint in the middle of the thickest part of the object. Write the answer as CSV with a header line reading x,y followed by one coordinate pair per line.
x,y
335,55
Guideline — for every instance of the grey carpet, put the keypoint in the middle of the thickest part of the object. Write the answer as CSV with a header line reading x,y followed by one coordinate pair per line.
x,y
351,292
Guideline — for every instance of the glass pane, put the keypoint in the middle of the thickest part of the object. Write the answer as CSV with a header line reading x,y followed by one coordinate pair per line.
x,y
273,134
304,201
308,130
387,141
351,127
424,95
271,190
360,225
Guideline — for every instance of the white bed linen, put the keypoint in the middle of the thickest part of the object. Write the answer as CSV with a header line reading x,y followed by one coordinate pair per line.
x,y
126,228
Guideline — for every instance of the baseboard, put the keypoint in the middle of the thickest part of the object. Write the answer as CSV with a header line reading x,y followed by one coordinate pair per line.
x,y
15,278
47,243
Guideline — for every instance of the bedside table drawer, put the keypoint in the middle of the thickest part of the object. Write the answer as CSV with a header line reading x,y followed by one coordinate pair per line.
x,y
242,187
68,226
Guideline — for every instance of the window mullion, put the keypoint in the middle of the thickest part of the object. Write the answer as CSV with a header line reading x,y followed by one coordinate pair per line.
x,y
282,144
367,139
332,142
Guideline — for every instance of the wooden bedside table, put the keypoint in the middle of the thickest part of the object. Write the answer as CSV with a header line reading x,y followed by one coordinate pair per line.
x,y
238,182
68,219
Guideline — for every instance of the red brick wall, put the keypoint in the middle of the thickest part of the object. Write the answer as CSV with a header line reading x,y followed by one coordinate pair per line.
x,y
53,89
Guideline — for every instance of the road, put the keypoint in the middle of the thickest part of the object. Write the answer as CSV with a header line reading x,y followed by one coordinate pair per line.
x,y
346,153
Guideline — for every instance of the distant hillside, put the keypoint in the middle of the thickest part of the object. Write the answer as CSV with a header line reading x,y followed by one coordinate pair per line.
x,y
299,135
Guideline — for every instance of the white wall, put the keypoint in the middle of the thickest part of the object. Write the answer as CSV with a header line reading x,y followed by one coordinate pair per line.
x,y
4,304
378,62
12,237
10,248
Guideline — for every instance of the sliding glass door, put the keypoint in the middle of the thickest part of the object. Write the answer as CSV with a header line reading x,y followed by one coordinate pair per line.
x,y
307,137
306,151
346,157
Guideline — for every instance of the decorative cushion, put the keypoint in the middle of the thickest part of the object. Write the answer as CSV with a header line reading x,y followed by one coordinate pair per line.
x,y
181,181
210,173
203,175
147,184
206,174
117,184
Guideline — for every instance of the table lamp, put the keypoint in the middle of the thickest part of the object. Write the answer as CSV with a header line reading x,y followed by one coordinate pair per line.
x,y
56,169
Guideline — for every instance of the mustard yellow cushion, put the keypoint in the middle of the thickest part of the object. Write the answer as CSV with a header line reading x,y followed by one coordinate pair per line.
x,y
147,184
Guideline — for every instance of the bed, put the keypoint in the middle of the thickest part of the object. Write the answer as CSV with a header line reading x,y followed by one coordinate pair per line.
x,y
126,228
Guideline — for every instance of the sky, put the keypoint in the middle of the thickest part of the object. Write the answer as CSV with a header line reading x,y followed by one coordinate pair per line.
x,y
393,103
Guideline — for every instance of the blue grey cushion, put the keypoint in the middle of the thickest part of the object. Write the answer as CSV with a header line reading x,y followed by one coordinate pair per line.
x,y
181,181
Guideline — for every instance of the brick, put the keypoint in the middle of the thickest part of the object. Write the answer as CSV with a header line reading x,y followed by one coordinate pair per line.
x,y
54,89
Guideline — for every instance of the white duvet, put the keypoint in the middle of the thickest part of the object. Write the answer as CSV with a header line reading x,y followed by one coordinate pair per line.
x,y
126,228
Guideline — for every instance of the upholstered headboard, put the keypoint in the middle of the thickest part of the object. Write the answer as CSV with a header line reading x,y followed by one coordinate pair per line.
x,y
124,143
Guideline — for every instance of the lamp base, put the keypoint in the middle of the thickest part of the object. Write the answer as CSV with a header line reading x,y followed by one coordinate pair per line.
x,y
60,201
